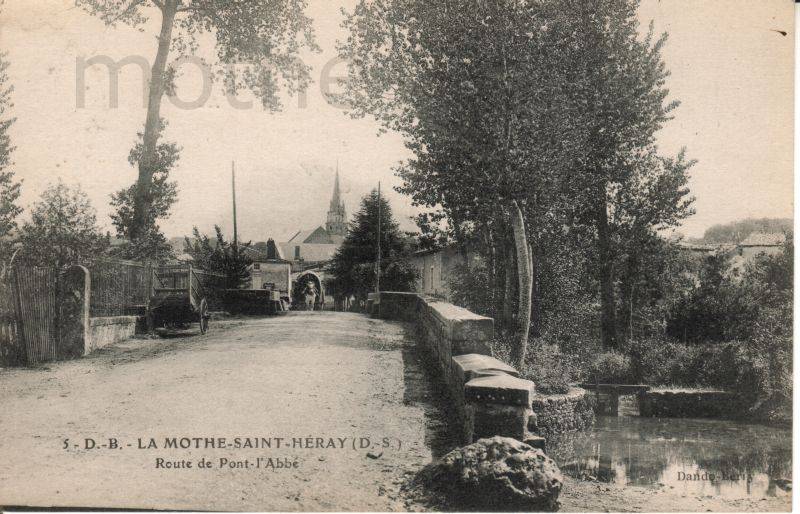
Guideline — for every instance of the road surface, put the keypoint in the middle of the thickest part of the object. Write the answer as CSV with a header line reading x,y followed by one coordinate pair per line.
x,y
342,400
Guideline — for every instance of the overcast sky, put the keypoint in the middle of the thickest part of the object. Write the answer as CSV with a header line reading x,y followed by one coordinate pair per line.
x,y
731,69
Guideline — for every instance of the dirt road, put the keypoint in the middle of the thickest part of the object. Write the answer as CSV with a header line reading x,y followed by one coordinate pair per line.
x,y
343,396
342,401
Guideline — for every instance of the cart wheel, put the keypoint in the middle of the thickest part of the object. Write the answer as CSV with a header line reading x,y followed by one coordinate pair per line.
x,y
204,316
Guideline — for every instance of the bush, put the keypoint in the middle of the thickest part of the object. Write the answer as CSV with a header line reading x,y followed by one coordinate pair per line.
x,y
659,361
469,288
610,368
548,368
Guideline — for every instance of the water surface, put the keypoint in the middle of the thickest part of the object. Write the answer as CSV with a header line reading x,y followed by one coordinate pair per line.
x,y
695,456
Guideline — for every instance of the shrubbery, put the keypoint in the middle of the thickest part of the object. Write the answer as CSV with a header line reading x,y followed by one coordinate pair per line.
x,y
468,288
726,330
551,370
610,368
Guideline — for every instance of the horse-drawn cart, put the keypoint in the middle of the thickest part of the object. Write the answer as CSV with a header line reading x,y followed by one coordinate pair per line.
x,y
180,297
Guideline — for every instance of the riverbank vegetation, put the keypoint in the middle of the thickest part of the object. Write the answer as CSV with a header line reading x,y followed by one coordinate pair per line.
x,y
533,128
723,329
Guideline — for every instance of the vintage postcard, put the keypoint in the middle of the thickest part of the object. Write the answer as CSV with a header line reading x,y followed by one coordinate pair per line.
x,y
396,255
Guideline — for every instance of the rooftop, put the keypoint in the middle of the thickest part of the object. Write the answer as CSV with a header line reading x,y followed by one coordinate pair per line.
x,y
764,239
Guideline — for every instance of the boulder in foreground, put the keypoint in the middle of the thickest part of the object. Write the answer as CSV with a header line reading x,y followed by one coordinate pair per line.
x,y
497,474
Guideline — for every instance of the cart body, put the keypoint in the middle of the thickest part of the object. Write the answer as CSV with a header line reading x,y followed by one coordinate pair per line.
x,y
179,297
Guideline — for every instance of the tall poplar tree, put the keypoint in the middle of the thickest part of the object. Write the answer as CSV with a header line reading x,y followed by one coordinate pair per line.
x,y
470,85
516,109
265,36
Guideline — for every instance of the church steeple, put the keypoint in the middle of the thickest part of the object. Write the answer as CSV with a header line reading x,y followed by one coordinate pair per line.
x,y
337,217
336,201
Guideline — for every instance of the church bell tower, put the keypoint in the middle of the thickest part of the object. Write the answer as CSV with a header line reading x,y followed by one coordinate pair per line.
x,y
337,217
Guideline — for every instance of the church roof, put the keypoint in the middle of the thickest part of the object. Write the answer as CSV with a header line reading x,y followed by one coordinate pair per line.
x,y
314,236
319,236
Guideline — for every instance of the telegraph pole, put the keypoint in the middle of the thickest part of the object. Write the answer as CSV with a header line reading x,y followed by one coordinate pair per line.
x,y
233,190
378,262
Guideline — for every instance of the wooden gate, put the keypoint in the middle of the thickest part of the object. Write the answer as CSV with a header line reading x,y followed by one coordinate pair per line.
x,y
36,291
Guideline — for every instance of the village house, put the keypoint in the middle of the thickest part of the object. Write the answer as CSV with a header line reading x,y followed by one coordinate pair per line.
x,y
436,268
271,271
757,243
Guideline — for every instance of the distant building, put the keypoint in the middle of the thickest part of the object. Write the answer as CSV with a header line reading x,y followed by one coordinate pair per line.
x,y
271,271
754,245
436,269
761,242
315,247
739,254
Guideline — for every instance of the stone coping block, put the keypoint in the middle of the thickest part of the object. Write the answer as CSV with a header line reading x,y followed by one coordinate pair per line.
x,y
461,324
112,320
615,388
393,295
501,389
396,305
473,365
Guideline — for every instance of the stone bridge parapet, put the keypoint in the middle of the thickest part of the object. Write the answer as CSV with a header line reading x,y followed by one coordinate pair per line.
x,y
488,395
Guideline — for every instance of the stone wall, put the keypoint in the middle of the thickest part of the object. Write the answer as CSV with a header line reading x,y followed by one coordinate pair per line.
x,y
107,330
690,404
559,413
488,395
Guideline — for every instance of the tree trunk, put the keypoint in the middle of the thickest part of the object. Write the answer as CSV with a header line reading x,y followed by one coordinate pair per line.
x,y
525,284
152,128
627,295
508,286
608,323
491,269
536,297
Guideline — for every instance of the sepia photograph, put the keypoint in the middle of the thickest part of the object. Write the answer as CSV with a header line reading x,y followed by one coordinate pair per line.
x,y
397,255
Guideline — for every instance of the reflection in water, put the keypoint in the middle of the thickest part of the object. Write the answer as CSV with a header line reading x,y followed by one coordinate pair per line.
x,y
698,456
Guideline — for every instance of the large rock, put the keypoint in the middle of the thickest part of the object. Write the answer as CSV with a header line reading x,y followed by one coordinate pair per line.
x,y
496,474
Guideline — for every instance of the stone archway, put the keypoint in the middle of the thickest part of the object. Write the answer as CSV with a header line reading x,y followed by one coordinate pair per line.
x,y
298,287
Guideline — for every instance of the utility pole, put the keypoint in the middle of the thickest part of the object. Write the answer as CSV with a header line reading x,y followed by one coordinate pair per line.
x,y
378,262
235,231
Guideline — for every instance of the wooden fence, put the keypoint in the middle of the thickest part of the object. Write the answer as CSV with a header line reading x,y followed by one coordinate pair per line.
x,y
37,291
28,316
36,315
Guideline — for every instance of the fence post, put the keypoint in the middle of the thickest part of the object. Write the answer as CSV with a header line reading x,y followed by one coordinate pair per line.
x,y
73,304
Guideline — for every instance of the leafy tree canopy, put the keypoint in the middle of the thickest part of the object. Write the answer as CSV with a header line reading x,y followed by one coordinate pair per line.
x,y
220,256
63,229
151,244
738,231
9,187
353,265
264,36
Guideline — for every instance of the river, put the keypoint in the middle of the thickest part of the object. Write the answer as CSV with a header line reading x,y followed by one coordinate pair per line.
x,y
697,457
